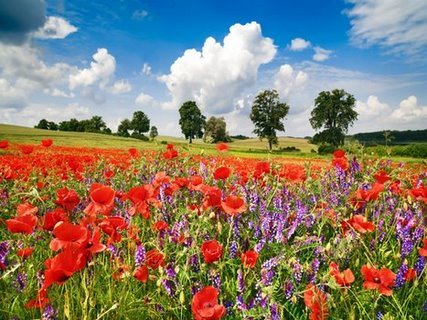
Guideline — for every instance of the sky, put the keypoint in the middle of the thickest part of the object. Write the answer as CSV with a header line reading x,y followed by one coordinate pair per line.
x,y
62,59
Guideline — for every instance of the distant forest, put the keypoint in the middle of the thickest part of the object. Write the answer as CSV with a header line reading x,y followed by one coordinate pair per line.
x,y
393,137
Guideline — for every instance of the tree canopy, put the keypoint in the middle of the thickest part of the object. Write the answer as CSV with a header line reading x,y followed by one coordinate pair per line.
x,y
140,122
192,121
153,132
216,130
334,113
267,114
124,127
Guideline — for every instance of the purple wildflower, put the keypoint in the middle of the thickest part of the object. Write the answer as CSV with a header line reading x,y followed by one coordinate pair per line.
x,y
139,255
400,276
49,313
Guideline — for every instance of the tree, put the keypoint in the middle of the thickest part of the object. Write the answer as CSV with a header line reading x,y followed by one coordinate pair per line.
x,y
267,114
95,124
124,127
52,126
140,122
43,124
153,132
191,120
334,113
216,129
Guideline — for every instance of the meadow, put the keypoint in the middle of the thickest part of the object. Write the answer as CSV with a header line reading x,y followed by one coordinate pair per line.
x,y
116,228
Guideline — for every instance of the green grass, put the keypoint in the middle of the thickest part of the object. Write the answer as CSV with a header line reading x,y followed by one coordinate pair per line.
x,y
250,147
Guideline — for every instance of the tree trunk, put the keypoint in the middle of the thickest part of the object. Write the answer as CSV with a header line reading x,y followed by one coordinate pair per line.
x,y
269,144
191,139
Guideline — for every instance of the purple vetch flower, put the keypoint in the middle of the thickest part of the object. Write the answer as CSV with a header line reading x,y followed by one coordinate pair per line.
x,y
234,247
289,289
114,250
400,276
379,315
169,286
274,312
259,245
240,303
419,265
297,268
267,277
193,261
407,248
49,313
139,255
195,287
170,271
216,279
240,281
20,282
314,269
4,250
253,201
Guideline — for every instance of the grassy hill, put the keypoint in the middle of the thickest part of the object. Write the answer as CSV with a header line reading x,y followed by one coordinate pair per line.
x,y
253,147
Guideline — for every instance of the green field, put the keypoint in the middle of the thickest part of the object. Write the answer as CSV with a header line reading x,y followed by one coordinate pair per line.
x,y
252,147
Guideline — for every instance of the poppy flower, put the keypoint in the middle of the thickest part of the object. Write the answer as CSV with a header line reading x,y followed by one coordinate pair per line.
x,y
40,301
212,197
102,200
134,153
141,273
93,245
204,305
4,144
249,259
26,208
222,173
420,193
381,177
222,147
196,182
410,274
423,251
339,153
342,163
154,259
211,251
22,224
47,142
25,252
51,218
381,280
140,196
111,227
359,223
315,300
27,149
233,205
262,168
68,236
67,198
160,225
343,279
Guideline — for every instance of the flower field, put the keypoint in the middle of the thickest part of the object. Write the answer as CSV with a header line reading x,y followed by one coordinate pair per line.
x,y
91,233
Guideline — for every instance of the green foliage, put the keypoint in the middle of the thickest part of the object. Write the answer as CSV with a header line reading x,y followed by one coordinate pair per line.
x,y
239,137
191,120
46,125
124,127
153,132
95,124
326,149
140,122
333,112
267,114
415,150
399,137
216,130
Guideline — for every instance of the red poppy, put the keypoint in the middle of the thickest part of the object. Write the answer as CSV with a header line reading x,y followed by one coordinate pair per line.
x,y
51,218
410,274
359,223
423,251
249,259
170,152
154,259
212,197
233,205
420,193
293,172
63,266
141,274
68,236
111,227
339,153
93,244
345,278
22,224
4,144
134,153
205,305
102,200
211,250
27,149
315,300
381,280
40,301
262,168
25,252
196,183
160,225
222,147
222,173
67,198
381,177
140,196
26,208
47,142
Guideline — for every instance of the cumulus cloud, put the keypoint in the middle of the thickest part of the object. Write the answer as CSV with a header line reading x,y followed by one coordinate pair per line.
x,y
139,14
55,28
217,76
146,69
371,108
321,54
409,110
11,96
399,26
120,86
299,44
19,19
144,99
288,80
101,70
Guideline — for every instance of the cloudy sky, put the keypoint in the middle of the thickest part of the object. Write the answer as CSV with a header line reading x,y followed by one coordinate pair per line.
x,y
77,58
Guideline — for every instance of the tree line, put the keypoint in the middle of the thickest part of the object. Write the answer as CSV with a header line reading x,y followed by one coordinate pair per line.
x,y
331,116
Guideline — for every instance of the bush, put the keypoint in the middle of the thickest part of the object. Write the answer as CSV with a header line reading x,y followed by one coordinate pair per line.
x,y
412,150
289,149
326,149
163,142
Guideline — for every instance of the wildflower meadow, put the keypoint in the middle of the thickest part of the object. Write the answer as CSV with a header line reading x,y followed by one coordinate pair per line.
x,y
91,233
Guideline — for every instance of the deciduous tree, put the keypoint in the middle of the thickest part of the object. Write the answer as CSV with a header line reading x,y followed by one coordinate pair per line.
x,y
192,121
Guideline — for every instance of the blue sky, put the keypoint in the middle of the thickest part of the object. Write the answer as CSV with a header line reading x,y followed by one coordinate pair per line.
x,y
110,58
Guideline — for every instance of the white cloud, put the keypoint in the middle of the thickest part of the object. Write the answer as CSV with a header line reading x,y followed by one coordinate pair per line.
x,y
139,14
144,99
218,75
101,70
11,96
55,92
55,28
299,44
120,86
399,26
372,108
146,69
409,110
288,80
321,54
